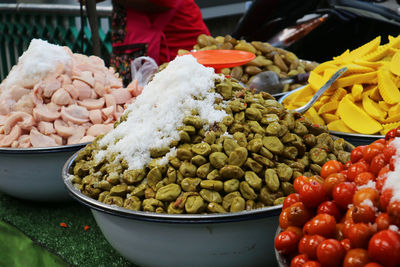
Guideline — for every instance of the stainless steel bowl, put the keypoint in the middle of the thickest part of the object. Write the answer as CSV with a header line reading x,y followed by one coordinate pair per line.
x,y
34,173
353,138
152,239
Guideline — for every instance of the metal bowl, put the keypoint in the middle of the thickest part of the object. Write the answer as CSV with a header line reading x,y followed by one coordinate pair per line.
x,y
353,138
152,239
33,173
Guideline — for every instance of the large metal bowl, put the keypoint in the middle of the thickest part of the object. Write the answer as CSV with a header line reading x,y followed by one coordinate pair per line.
x,y
353,138
34,173
151,239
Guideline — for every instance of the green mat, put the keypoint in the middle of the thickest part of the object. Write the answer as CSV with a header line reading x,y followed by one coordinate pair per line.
x,y
34,229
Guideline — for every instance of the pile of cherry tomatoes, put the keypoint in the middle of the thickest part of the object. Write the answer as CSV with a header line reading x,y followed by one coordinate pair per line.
x,y
345,216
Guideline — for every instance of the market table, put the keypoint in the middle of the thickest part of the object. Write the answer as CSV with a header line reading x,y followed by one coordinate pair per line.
x,y
52,234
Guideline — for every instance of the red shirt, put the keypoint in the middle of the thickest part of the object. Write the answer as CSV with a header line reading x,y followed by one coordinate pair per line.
x,y
182,30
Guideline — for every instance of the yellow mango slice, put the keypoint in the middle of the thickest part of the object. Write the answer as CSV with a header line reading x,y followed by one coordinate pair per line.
x,y
394,42
384,106
389,126
373,109
328,117
373,65
339,126
355,68
328,73
361,51
394,65
304,95
323,66
313,116
328,107
394,110
339,94
316,81
317,105
342,56
356,91
349,97
374,94
387,88
393,118
368,78
378,54
357,119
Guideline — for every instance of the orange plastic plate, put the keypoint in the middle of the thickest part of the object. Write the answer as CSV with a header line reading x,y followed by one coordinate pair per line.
x,y
219,59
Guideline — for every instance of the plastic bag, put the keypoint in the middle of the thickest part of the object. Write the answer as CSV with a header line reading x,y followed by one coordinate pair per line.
x,y
143,69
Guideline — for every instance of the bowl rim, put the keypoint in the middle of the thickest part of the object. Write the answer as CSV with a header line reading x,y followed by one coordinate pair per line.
x,y
374,136
42,150
162,217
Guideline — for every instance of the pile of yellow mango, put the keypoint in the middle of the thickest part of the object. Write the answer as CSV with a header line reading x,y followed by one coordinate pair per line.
x,y
365,99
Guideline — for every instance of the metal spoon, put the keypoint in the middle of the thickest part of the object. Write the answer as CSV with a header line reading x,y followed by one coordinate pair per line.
x,y
321,91
270,82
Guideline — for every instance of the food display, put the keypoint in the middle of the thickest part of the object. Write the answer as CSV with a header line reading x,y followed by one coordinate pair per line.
x,y
268,58
350,216
197,142
365,99
54,97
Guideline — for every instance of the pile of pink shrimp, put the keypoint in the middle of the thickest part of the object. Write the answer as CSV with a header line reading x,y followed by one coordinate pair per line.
x,y
72,104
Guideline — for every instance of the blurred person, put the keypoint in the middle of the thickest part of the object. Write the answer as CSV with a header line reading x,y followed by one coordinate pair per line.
x,y
156,28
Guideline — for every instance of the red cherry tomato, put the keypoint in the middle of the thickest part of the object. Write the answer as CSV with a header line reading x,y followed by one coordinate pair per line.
x,y
283,219
329,207
331,181
393,211
384,248
346,244
347,164
382,221
384,170
312,264
380,181
286,242
373,264
392,163
366,194
385,198
332,166
339,231
372,150
308,245
355,169
343,194
299,260
363,178
363,214
295,229
298,214
290,199
322,224
359,235
357,153
389,151
316,178
330,253
312,194
356,257
390,135
380,141
299,182
377,163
